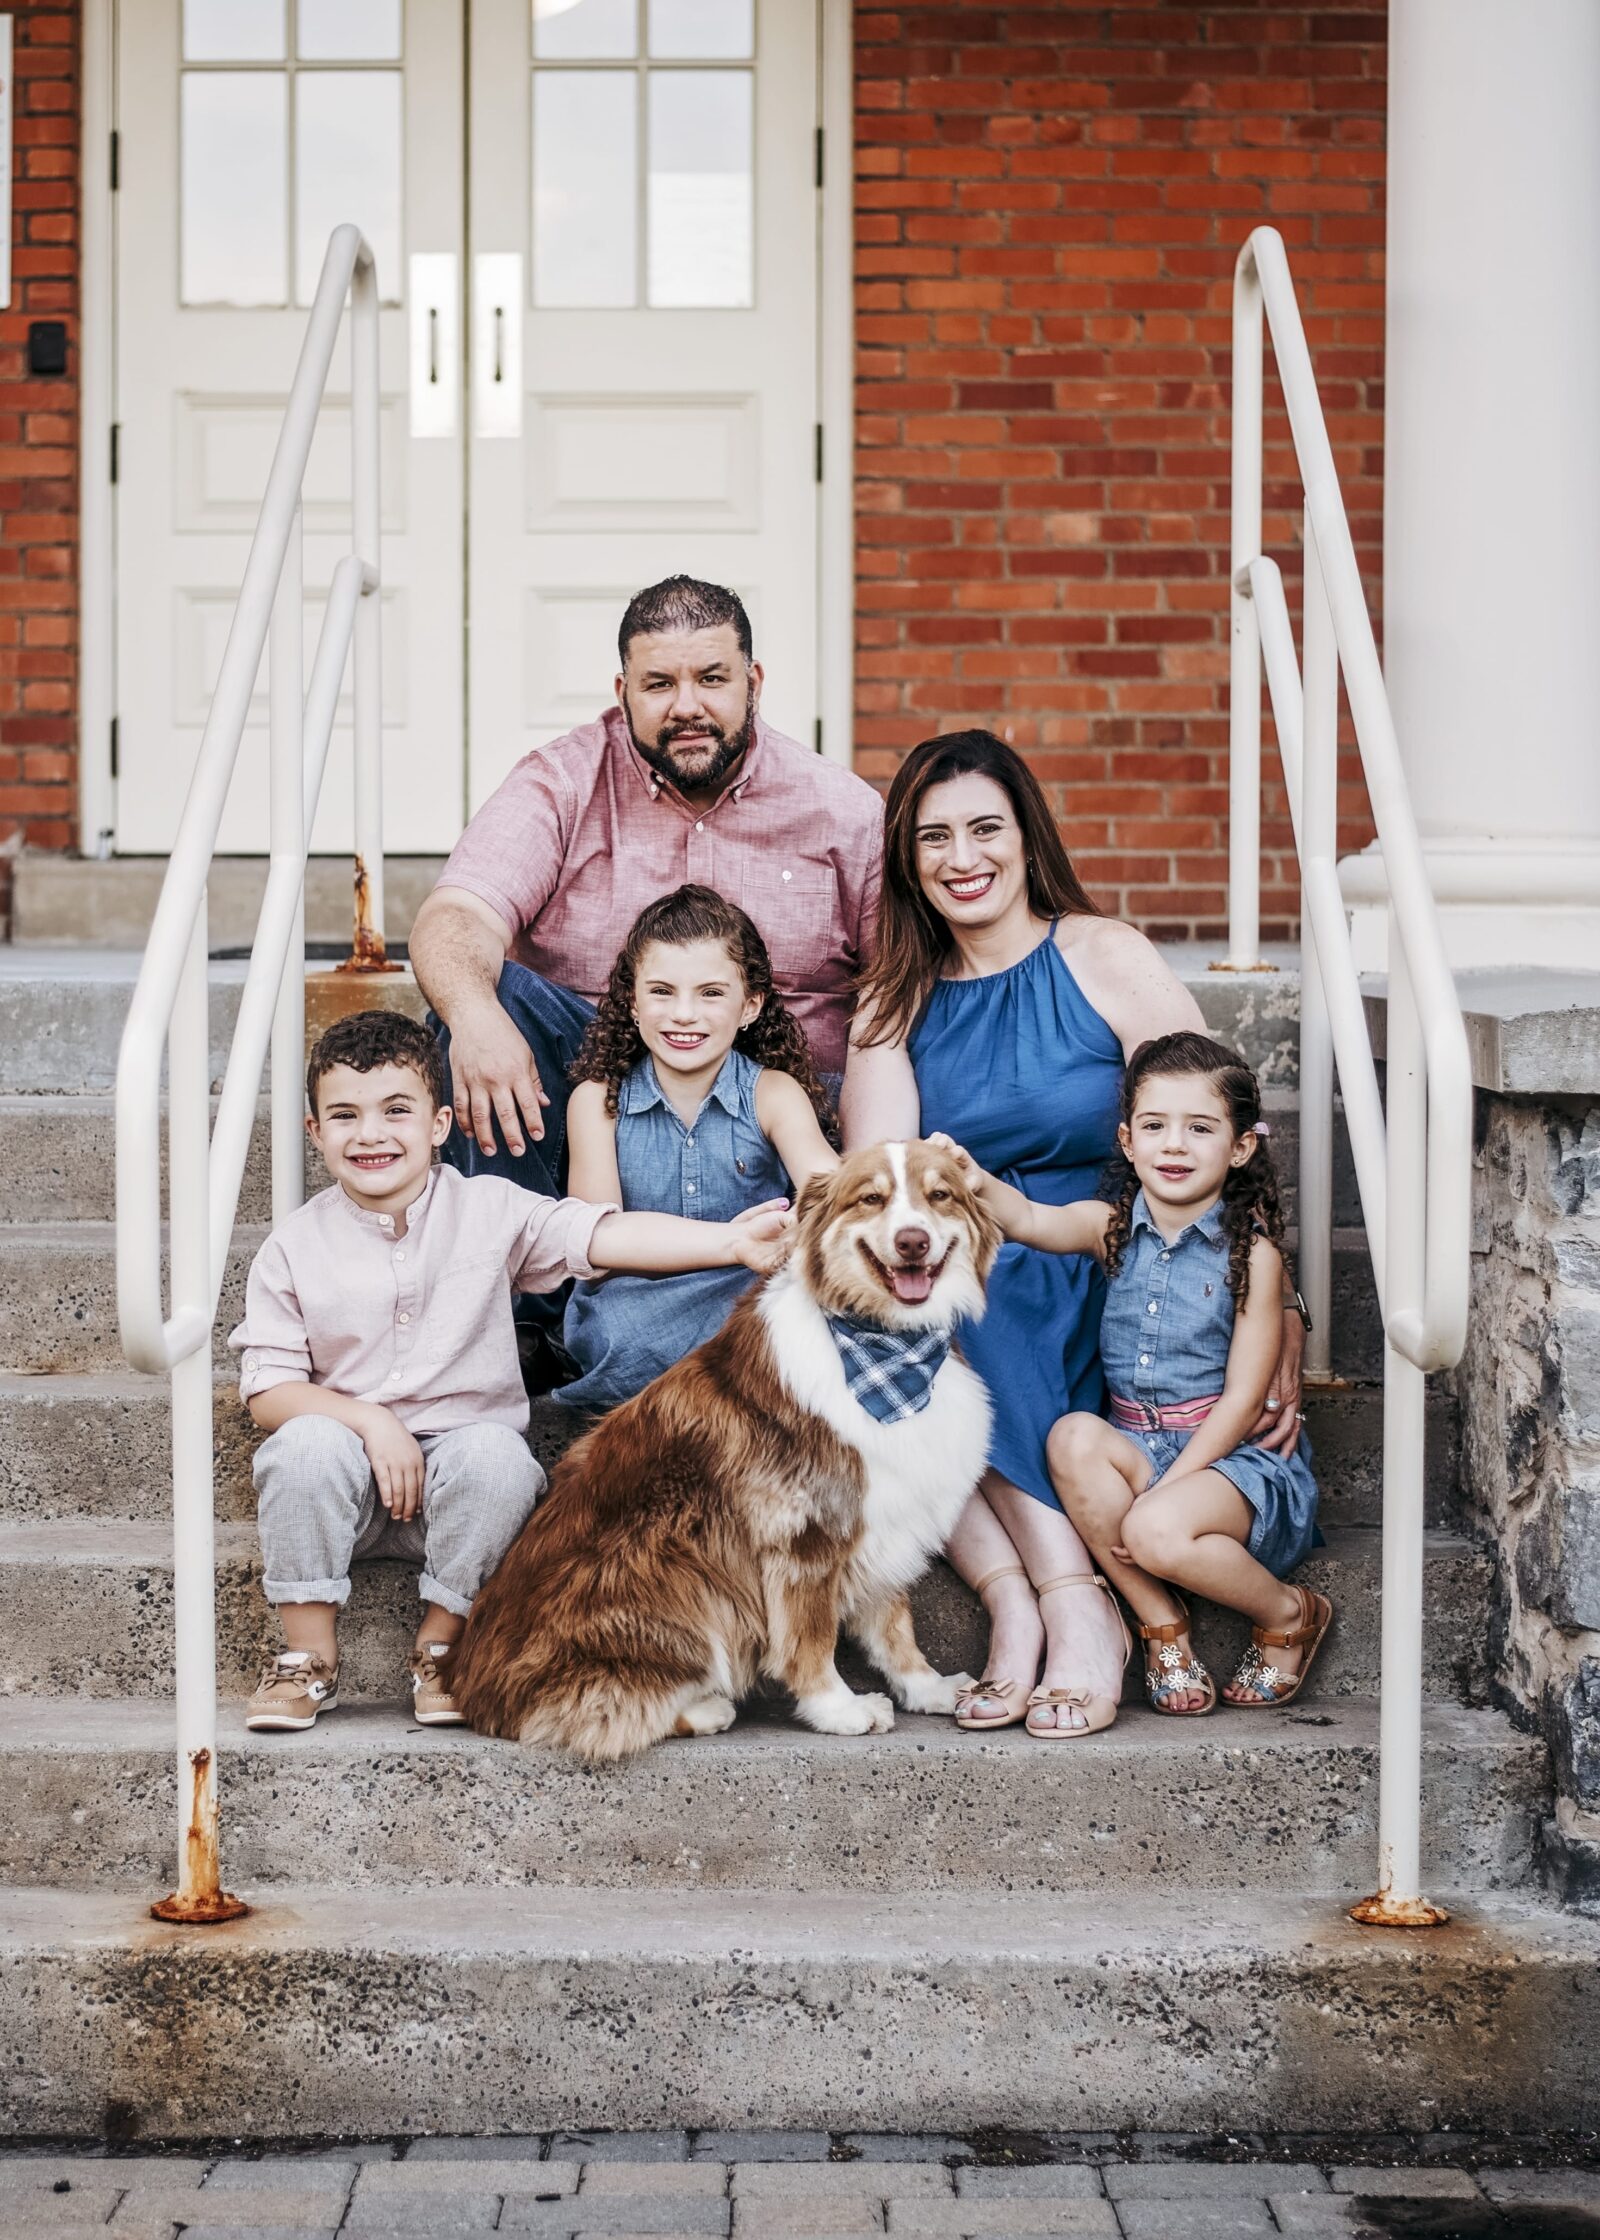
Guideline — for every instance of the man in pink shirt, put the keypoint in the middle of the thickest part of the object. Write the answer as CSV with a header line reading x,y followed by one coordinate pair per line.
x,y
680,781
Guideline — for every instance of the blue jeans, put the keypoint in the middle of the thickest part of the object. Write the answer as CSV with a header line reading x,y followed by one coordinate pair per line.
x,y
552,1021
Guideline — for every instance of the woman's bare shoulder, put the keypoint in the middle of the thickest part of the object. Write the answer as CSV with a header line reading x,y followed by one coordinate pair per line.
x,y
1127,979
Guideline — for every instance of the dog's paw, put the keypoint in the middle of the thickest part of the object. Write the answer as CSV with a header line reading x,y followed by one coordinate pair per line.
x,y
706,1715
936,1693
845,1713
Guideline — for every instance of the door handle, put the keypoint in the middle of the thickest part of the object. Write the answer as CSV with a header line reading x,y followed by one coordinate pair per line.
x,y
435,344
497,344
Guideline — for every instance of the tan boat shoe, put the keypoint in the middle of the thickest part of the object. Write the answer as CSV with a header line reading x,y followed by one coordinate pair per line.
x,y
292,1691
432,1704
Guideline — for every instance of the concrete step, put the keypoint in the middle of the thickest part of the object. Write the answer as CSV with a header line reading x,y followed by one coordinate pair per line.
x,y
58,1310
475,2011
90,1792
62,1008
85,1610
59,1435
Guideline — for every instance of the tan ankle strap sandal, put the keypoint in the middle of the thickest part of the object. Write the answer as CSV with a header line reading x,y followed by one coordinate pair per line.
x,y
1099,1712
1007,1693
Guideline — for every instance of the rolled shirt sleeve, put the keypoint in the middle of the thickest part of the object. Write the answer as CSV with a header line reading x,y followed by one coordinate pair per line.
x,y
272,1337
511,854
553,1243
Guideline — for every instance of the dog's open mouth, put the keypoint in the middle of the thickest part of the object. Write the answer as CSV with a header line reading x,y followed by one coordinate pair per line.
x,y
911,1285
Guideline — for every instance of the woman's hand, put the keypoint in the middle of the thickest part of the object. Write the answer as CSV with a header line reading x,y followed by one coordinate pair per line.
x,y
1277,1428
761,1235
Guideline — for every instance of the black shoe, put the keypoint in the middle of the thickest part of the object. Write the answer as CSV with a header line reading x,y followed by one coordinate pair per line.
x,y
544,1360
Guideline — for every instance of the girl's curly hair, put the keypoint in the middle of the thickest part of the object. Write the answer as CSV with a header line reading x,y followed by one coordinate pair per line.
x,y
613,1045
1251,1206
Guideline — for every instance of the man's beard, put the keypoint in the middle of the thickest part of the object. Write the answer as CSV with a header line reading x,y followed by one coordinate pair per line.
x,y
720,749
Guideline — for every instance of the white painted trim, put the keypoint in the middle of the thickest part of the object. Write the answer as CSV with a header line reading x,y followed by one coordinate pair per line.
x,y
836,568
96,410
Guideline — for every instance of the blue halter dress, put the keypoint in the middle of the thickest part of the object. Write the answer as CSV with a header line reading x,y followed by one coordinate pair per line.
x,y
1022,1070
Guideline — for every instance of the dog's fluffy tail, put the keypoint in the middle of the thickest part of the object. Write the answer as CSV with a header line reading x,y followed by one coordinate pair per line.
x,y
603,1718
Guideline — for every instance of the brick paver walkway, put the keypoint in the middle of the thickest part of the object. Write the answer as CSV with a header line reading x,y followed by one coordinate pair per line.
x,y
778,2186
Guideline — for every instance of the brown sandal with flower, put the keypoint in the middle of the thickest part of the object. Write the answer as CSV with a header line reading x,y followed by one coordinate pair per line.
x,y
1007,1693
1272,1686
1171,1673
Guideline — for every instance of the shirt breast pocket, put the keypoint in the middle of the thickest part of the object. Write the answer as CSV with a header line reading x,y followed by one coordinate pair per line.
x,y
795,908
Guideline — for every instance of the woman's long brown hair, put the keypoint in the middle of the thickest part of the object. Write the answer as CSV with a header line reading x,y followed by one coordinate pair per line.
x,y
613,1045
913,940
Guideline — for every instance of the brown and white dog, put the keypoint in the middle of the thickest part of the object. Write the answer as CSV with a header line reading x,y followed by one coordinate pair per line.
x,y
728,1520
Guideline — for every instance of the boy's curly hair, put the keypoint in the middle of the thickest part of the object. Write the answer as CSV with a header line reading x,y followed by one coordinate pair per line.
x,y
369,1039
1251,1206
613,1045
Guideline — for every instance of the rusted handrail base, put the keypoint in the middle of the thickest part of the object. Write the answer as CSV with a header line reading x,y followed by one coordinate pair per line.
x,y
368,952
202,1912
1385,1911
1222,965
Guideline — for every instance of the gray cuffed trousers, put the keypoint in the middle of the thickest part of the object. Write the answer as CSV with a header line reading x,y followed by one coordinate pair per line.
x,y
318,1509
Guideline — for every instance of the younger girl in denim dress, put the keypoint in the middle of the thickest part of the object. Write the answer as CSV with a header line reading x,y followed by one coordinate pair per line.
x,y
1169,1490
696,1095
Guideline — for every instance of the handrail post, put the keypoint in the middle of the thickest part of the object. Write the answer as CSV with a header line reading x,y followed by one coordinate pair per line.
x,y
1319,821
198,1897
366,514
1397,1902
286,689
1244,637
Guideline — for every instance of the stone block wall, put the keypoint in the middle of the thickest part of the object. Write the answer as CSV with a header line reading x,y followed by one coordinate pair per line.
x,y
1529,1384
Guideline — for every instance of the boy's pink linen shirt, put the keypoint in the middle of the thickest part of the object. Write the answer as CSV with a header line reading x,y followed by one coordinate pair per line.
x,y
421,1323
583,833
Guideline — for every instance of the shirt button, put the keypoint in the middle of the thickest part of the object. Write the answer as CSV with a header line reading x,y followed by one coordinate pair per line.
x,y
689,1186
1151,1308
405,1318
394,1376
689,1142
699,827
1144,1361
400,1252
1166,1256
386,1221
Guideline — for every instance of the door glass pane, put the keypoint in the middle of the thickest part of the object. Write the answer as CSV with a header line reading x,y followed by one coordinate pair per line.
x,y
585,30
701,142
705,30
347,167
233,30
235,187
350,30
585,167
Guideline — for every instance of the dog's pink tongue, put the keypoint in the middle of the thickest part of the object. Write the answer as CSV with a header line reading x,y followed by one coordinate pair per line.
x,y
912,1285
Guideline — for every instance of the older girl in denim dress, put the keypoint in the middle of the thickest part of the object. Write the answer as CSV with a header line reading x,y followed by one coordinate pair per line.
x,y
696,1095
1169,1490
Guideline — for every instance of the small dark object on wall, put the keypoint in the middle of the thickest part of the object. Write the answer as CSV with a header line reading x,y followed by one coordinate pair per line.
x,y
47,346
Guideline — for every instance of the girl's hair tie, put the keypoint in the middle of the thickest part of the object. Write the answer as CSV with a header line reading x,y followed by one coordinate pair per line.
x,y
1261,1129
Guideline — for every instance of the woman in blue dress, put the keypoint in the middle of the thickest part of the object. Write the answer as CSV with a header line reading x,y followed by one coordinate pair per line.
x,y
999,1008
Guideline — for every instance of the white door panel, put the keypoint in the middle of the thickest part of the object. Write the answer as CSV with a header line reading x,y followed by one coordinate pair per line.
x,y
201,390
658,426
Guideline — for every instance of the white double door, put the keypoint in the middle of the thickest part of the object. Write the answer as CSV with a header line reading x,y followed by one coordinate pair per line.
x,y
595,227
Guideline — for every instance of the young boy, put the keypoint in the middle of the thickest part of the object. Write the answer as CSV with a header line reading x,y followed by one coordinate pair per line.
x,y
380,1353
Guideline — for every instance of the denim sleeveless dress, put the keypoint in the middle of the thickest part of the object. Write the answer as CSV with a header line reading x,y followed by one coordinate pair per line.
x,y
1164,1339
1021,1069
626,1329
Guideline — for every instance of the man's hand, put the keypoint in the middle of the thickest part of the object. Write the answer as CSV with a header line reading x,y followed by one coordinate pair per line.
x,y
1278,1426
396,1461
762,1235
494,1077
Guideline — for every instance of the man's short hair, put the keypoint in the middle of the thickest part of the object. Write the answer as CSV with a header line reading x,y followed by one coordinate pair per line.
x,y
683,603
369,1039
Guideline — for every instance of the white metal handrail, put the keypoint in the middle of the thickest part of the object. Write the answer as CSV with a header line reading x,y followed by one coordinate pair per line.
x,y
170,1008
1413,1167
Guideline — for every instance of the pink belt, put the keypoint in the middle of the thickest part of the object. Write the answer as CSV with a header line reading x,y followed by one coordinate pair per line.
x,y
1183,1415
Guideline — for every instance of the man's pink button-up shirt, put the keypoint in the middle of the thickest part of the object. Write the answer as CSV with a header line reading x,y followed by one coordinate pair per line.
x,y
583,833
422,1322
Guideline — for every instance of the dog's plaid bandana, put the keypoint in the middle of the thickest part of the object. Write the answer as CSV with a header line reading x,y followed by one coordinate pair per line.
x,y
890,1374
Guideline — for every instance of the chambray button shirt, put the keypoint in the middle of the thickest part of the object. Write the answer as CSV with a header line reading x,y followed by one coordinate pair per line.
x,y
1168,1320
626,1330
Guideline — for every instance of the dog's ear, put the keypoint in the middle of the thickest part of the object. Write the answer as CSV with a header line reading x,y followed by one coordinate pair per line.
x,y
814,1194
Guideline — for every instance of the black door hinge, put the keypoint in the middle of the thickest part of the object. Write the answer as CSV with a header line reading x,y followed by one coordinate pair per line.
x,y
116,747
116,450
816,464
819,155
116,161
816,736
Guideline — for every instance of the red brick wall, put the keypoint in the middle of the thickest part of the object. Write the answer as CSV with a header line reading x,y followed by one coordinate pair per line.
x,y
38,448
1049,203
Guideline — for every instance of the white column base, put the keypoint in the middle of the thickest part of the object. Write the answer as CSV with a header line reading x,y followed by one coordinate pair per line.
x,y
1522,902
